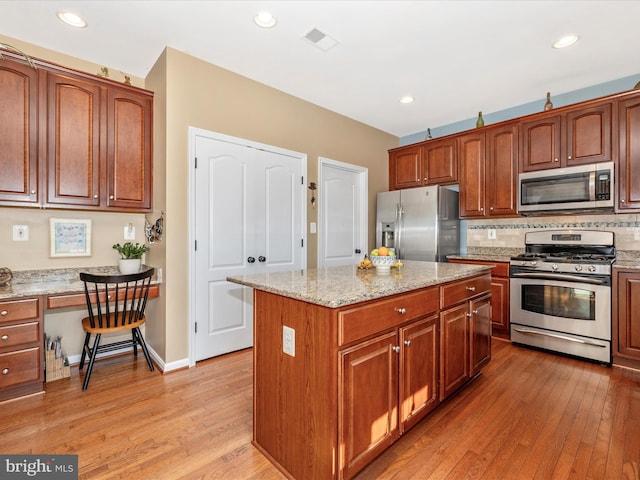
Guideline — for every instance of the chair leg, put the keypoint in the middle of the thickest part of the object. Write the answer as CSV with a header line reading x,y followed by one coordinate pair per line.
x,y
135,342
92,359
84,350
140,340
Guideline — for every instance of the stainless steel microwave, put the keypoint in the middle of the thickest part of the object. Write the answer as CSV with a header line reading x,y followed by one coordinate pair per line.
x,y
585,187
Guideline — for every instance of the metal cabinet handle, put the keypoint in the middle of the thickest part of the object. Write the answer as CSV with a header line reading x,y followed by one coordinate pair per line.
x,y
96,196
471,289
33,192
396,349
5,337
110,197
5,371
475,312
401,311
407,343
251,260
555,159
262,259
4,313
468,315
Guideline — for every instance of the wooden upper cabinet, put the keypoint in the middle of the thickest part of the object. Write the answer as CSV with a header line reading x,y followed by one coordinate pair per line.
x,y
129,150
18,134
71,140
74,155
576,137
541,144
488,162
440,162
433,162
628,178
405,168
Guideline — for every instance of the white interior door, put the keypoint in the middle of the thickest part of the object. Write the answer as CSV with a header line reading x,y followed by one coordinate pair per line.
x,y
342,214
248,215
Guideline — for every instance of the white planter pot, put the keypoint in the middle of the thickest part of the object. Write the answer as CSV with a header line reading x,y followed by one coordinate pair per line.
x,y
129,265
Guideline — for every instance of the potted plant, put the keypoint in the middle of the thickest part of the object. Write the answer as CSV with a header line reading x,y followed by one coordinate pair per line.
x,y
131,256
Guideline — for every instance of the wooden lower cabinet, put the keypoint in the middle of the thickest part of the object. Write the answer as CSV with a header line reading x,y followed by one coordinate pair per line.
x,y
21,358
362,375
500,316
626,318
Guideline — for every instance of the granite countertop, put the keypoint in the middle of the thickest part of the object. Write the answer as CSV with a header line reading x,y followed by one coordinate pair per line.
x,y
27,283
485,257
631,264
345,285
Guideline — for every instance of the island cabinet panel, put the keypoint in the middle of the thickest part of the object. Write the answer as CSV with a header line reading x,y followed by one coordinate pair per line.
x,y
419,357
500,313
18,134
360,322
368,402
21,358
362,374
296,398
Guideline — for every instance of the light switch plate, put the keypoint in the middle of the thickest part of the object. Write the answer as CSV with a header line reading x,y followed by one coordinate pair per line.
x,y
129,232
289,340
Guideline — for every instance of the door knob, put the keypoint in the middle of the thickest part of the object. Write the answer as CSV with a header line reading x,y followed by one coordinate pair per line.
x,y
262,259
251,260
358,250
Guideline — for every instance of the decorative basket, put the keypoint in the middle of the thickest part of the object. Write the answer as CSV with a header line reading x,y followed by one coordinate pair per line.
x,y
5,276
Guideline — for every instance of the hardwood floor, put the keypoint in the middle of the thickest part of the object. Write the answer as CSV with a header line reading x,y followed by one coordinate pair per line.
x,y
530,415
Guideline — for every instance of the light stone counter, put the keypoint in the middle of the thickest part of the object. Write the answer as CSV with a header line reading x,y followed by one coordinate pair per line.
x,y
345,285
27,283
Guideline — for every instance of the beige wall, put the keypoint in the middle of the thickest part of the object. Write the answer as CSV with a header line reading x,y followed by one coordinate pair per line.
x,y
202,95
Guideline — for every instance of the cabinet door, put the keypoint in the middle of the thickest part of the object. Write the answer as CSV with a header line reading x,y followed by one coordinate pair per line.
x,y
541,142
629,161
405,168
368,401
471,152
480,333
454,349
418,371
440,162
588,135
129,154
501,171
74,154
500,306
18,134
628,318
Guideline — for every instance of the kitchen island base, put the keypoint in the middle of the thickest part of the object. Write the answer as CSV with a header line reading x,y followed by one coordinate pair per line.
x,y
362,374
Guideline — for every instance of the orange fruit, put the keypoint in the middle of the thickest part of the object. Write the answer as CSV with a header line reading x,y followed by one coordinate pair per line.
x,y
383,251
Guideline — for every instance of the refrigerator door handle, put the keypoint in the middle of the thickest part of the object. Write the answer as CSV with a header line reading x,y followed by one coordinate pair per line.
x,y
398,230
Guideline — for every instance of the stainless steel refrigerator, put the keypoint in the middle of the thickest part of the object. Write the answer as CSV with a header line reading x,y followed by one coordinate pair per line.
x,y
419,223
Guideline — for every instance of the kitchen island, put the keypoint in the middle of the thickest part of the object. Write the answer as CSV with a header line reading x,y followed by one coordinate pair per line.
x,y
347,360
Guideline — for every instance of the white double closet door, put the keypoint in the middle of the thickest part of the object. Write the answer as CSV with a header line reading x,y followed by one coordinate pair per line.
x,y
249,218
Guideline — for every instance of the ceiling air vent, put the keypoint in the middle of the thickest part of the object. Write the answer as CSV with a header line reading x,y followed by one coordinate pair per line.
x,y
320,39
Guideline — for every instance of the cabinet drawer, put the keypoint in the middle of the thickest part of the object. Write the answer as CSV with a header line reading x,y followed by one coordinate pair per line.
x,y
360,322
20,367
80,300
12,335
463,290
19,310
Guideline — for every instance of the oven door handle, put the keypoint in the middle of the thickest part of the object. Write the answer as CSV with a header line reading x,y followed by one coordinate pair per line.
x,y
561,337
560,276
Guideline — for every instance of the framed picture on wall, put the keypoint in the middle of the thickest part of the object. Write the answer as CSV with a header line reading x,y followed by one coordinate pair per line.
x,y
70,237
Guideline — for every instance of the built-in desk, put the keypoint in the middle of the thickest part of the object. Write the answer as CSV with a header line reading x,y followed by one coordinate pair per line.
x,y
24,303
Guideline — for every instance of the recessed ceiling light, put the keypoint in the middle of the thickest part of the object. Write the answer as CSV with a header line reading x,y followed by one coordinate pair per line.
x,y
72,19
407,99
265,20
565,41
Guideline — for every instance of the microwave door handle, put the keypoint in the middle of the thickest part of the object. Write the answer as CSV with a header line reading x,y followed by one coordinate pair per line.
x,y
592,186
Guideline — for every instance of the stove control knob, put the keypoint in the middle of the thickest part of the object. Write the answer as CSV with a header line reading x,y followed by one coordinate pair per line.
x,y
533,264
578,268
592,268
554,267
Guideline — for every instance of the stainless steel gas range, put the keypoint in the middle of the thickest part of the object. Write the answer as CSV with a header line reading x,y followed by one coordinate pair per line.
x,y
561,293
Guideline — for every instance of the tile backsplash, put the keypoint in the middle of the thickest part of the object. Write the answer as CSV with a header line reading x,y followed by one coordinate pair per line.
x,y
510,232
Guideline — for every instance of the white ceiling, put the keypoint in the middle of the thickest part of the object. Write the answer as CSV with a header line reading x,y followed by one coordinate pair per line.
x,y
455,57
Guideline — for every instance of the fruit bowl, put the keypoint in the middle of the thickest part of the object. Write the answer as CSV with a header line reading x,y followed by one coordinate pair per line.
x,y
383,264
